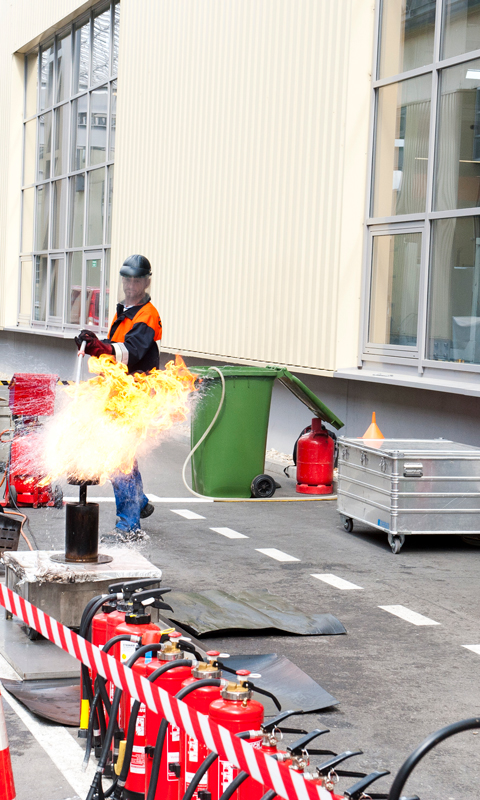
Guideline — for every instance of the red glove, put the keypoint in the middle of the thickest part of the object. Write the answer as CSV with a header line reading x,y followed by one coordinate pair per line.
x,y
95,347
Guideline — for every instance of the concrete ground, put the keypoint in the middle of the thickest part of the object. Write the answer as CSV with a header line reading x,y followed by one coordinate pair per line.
x,y
396,681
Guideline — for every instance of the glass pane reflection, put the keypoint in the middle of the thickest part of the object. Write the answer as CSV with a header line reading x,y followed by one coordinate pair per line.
x,y
61,139
73,311
101,47
113,118
55,305
59,214
93,278
46,77
77,201
394,289
406,35
43,213
81,58
64,61
454,292
79,124
96,206
401,152
40,294
461,27
44,146
98,125
116,38
457,166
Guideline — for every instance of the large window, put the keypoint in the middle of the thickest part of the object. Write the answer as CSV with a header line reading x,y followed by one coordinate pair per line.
x,y
68,173
422,292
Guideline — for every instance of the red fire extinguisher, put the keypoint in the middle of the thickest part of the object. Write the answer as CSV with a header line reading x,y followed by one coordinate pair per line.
x,y
193,752
168,780
237,711
137,622
315,459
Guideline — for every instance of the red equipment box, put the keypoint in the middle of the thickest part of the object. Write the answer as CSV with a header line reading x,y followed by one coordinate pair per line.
x,y
32,395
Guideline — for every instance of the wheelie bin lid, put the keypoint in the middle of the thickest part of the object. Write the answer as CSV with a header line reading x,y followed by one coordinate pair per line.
x,y
294,384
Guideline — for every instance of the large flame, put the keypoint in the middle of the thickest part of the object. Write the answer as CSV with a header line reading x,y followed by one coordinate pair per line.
x,y
106,419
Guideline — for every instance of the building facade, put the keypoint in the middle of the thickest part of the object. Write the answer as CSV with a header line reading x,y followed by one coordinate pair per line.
x,y
303,176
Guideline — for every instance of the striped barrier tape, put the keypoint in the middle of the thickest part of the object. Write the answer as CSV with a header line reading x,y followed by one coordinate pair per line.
x,y
63,383
266,770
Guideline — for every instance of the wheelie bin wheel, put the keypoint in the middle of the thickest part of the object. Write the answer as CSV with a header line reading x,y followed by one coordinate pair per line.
x,y
348,524
263,486
396,541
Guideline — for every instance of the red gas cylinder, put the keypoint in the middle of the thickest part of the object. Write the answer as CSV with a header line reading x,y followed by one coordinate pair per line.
x,y
315,460
238,712
170,766
193,752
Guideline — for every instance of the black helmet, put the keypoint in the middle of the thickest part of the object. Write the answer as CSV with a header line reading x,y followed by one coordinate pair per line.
x,y
136,267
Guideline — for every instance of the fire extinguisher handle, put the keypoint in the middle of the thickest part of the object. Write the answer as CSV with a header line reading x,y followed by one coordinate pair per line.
x,y
140,597
252,686
325,768
268,727
358,789
299,746
190,648
132,586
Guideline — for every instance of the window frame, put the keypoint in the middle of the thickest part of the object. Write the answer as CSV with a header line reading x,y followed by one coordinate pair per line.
x,y
422,220
57,324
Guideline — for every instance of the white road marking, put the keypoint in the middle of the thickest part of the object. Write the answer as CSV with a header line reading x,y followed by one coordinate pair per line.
x,y
475,648
278,555
334,580
186,513
152,497
59,745
229,533
408,615
155,499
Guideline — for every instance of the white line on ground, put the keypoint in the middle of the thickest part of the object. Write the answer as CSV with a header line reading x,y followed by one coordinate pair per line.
x,y
59,745
334,580
186,513
229,533
152,497
475,648
408,615
278,555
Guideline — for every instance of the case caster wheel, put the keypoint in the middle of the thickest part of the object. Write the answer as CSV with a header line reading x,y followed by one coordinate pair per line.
x,y
348,524
396,541
263,486
32,634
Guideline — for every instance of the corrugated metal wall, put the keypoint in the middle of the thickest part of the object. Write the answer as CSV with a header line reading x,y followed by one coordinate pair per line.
x,y
229,170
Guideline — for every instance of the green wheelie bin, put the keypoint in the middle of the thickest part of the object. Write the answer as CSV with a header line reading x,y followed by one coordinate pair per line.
x,y
230,461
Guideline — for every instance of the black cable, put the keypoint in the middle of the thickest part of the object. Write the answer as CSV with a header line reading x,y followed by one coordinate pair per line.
x,y
421,751
134,713
233,785
157,759
95,787
269,795
210,759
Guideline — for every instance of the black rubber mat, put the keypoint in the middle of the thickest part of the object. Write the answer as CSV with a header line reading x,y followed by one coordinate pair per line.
x,y
204,613
57,699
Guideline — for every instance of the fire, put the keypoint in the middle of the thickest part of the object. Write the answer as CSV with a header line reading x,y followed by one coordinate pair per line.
x,y
106,419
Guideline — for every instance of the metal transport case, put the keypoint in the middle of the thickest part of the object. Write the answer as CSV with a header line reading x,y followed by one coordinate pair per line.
x,y
409,486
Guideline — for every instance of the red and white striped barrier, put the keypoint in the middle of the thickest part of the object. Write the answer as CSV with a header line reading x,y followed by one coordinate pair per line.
x,y
266,770
7,787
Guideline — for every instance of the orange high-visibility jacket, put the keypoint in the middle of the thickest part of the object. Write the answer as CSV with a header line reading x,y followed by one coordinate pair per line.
x,y
134,333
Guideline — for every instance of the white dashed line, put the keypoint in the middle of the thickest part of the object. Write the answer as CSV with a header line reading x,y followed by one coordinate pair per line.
x,y
278,555
408,615
155,499
186,513
475,648
229,533
339,583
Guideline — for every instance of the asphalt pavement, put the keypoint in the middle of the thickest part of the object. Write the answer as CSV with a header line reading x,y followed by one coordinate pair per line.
x,y
398,676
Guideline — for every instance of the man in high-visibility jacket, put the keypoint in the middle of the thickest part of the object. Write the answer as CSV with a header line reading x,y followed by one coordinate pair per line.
x,y
132,340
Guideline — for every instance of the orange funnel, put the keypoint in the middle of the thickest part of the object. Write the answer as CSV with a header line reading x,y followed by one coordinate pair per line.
x,y
373,431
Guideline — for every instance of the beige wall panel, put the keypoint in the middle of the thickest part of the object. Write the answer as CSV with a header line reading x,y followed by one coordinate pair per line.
x,y
230,170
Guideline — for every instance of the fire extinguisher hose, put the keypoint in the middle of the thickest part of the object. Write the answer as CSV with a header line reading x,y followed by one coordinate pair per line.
x,y
233,785
96,785
269,795
157,753
125,767
210,759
